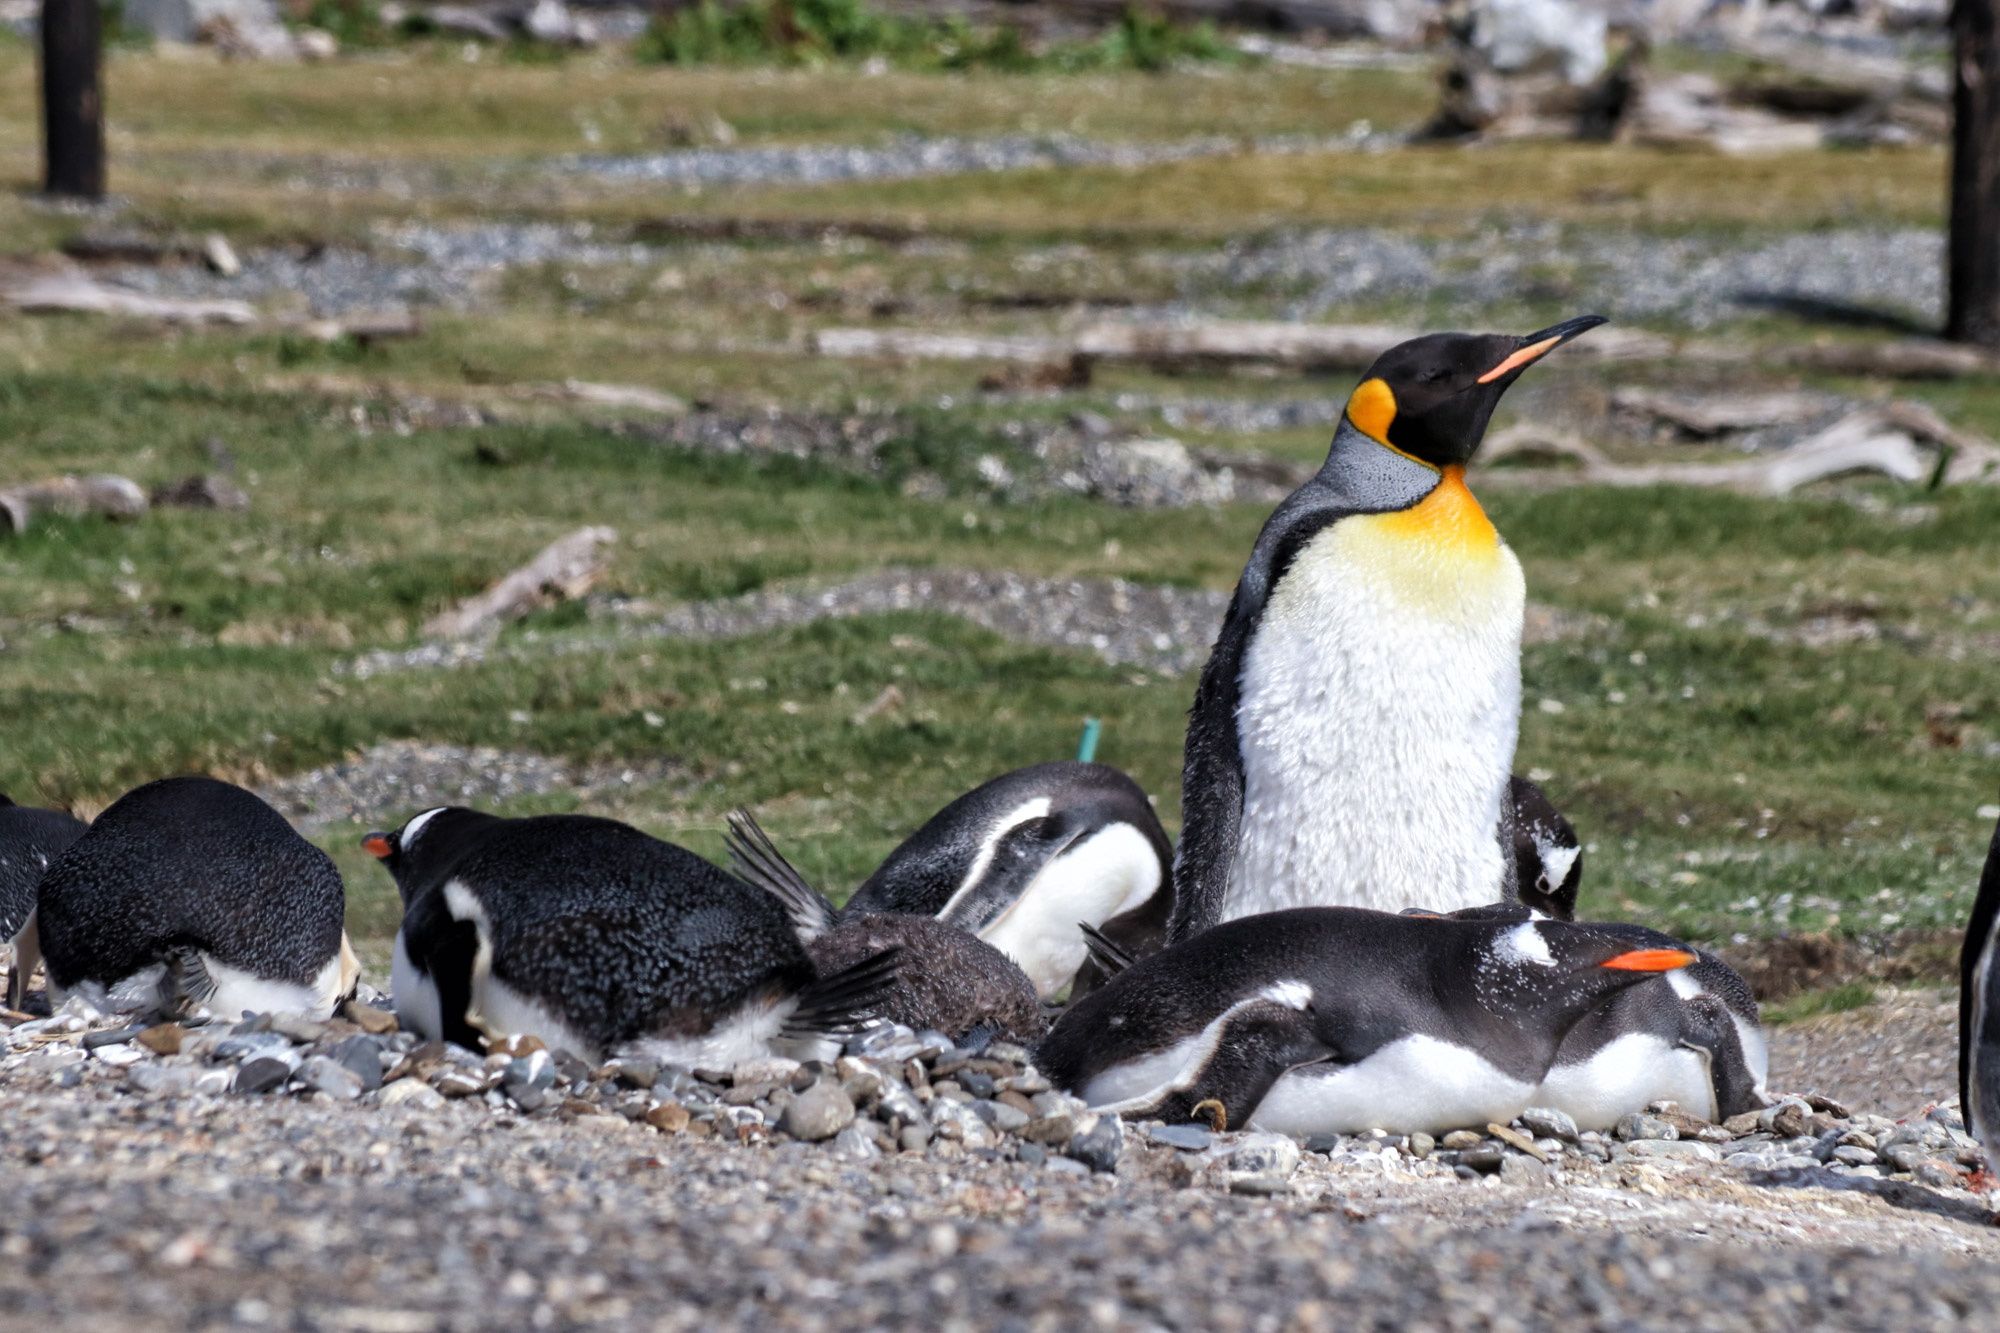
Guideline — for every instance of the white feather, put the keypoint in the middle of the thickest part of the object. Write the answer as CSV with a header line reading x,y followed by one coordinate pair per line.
x,y
1522,945
418,1005
1379,703
1414,1084
1112,871
1625,1075
238,992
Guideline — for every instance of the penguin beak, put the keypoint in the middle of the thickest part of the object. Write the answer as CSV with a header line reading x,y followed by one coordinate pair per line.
x,y
1649,960
1538,345
378,846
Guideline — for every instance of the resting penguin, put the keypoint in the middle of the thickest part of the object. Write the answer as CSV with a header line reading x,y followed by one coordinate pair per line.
x,y
30,840
602,940
1352,733
1691,1036
1340,1019
190,894
1021,860
1979,1009
946,979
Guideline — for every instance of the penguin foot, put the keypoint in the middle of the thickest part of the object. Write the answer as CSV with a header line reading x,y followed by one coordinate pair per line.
x,y
1212,1113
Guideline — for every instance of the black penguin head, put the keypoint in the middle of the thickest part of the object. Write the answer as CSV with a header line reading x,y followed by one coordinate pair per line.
x,y
417,854
1430,398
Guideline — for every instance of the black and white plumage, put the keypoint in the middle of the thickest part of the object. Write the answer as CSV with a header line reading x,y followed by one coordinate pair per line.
x,y
1353,732
947,979
192,894
600,939
1318,1020
1979,1008
1548,858
30,841
1019,861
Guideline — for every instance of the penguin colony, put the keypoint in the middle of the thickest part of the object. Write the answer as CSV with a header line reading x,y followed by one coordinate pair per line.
x,y
1369,921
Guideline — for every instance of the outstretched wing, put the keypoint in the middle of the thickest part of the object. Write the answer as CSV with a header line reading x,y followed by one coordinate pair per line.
x,y
757,863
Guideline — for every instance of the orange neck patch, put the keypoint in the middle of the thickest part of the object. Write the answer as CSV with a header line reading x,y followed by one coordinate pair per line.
x,y
1371,407
1448,517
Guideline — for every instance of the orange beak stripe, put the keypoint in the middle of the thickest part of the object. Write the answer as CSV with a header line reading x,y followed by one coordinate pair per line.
x,y
1519,359
377,846
1650,960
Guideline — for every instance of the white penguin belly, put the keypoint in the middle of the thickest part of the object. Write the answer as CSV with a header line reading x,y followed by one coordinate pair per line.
x,y
418,1005
1113,871
1378,708
1624,1076
238,992
1414,1084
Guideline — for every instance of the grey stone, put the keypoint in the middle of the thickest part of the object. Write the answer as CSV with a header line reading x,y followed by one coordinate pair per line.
x,y
1422,1145
1188,1138
634,1072
262,1074
249,1045
818,1113
1266,1155
325,1074
412,1092
1461,1139
1519,1169
1685,1149
856,1144
1486,1157
1001,1116
1098,1140
1034,1154
1261,1185
361,1055
1545,1122
1639,1125
1938,1175
298,1028
154,1077
914,1138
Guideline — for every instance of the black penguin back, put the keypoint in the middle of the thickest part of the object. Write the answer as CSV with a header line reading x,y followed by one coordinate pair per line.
x,y
624,935
30,842
1979,1005
190,863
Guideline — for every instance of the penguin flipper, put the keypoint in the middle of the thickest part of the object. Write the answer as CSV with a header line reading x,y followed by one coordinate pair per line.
x,y
754,860
1110,959
449,963
1258,1046
1212,778
841,1001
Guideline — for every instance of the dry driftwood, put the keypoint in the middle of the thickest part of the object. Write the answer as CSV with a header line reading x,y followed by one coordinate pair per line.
x,y
1908,359
566,568
1718,414
72,497
1882,439
920,345
635,396
75,291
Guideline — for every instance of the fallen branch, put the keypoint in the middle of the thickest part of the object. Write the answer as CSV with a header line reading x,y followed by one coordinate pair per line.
x,y
918,345
1909,359
76,292
72,497
566,568
1705,417
610,395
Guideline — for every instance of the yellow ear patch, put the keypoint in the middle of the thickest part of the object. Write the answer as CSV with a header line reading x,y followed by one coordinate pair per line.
x,y
1371,408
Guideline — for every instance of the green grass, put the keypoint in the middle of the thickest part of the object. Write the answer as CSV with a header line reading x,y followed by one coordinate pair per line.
x,y
1841,999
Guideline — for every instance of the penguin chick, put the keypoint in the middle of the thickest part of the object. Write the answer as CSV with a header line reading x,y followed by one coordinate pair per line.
x,y
1323,1020
192,894
602,940
30,840
1353,731
1690,1036
947,979
1020,860
1548,858
1979,1008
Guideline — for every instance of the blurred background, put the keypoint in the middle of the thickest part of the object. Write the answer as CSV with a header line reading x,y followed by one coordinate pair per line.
x,y
924,371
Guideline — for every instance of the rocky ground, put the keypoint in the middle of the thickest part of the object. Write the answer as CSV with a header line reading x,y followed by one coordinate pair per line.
x,y
914,1186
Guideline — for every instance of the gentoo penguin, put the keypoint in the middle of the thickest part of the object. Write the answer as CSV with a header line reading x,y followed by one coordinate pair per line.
x,y
1691,1036
601,940
1548,859
1352,734
1979,1009
30,840
947,979
1020,860
190,894
1340,1019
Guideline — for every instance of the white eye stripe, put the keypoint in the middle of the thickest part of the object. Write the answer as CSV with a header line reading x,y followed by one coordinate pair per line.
x,y
408,836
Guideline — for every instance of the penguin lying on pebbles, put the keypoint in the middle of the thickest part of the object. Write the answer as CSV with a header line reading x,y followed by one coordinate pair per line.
x,y
1021,860
947,980
1691,1036
602,940
30,840
1353,731
1337,1020
1979,1008
190,894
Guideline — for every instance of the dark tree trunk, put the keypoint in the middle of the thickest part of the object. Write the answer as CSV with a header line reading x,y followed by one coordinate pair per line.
x,y
1974,315
72,97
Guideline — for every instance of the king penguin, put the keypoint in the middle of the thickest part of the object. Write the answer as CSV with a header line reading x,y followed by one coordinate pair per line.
x,y
30,841
192,895
1341,1019
602,940
947,979
1353,732
1021,860
1979,1009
